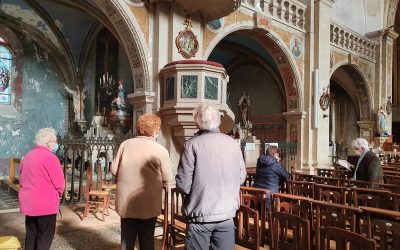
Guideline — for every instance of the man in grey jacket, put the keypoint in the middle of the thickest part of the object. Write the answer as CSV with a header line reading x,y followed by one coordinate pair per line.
x,y
210,172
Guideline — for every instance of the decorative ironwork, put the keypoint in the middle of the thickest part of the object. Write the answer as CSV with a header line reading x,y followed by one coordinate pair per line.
x,y
77,154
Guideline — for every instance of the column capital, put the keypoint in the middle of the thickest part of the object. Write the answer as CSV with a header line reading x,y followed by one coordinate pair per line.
x,y
384,34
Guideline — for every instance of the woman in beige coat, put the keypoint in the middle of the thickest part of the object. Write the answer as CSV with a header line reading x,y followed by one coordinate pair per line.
x,y
141,166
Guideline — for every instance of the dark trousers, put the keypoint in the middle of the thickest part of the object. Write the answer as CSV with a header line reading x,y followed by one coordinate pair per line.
x,y
217,235
131,228
39,231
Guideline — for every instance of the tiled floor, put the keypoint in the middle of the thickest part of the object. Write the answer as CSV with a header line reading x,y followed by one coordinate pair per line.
x,y
8,200
73,233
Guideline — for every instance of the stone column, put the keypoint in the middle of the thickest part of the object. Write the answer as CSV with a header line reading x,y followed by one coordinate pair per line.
x,y
295,121
366,130
142,103
384,69
322,17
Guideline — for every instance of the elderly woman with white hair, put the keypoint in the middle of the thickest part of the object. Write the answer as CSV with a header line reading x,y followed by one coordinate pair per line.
x,y
368,167
41,185
211,170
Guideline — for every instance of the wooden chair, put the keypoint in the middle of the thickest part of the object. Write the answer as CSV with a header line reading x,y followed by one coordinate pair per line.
x,y
162,219
255,198
12,181
301,188
178,223
293,204
371,198
392,179
289,231
383,226
325,172
359,184
328,181
105,186
96,198
247,233
345,240
330,214
342,174
296,176
330,193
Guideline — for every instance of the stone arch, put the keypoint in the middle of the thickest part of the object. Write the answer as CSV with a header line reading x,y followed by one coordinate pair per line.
x,y
133,41
15,46
362,91
289,72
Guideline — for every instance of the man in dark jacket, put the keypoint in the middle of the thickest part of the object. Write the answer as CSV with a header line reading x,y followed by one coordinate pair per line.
x,y
210,172
270,172
368,167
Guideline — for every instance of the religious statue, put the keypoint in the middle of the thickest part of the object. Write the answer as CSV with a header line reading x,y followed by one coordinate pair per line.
x,y
119,103
244,105
381,122
78,97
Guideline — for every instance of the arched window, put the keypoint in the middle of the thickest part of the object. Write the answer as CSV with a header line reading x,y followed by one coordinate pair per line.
x,y
6,64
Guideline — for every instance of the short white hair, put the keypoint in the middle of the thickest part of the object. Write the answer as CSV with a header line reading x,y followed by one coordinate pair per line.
x,y
360,143
44,136
207,117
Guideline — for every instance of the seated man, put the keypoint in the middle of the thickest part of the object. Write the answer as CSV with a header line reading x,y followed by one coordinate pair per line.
x,y
368,167
270,173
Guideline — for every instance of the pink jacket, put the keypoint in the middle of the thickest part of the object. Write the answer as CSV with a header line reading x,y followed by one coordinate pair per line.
x,y
41,182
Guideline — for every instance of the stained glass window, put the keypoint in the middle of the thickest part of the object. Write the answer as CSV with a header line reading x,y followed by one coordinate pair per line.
x,y
6,60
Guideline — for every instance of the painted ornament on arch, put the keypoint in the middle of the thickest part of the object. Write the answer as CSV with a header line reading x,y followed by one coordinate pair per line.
x,y
296,46
136,3
186,41
215,25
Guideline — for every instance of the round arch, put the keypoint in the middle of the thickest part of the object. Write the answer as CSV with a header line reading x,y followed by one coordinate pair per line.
x,y
133,41
362,92
276,47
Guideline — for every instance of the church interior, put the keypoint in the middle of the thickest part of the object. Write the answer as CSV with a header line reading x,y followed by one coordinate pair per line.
x,y
309,76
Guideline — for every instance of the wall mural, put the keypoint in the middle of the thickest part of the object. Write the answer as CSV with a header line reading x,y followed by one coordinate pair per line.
x,y
215,25
296,46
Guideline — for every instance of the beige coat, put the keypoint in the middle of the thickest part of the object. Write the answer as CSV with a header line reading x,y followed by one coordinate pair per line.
x,y
141,166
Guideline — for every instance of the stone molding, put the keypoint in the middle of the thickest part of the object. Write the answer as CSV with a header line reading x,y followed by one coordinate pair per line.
x,y
128,29
349,40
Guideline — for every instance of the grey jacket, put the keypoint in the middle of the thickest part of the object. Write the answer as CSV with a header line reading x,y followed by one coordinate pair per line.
x,y
210,172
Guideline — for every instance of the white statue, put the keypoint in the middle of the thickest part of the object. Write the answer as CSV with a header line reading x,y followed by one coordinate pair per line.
x,y
78,97
381,122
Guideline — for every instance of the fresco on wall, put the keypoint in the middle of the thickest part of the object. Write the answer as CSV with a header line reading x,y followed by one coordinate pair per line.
x,y
43,103
215,25
296,46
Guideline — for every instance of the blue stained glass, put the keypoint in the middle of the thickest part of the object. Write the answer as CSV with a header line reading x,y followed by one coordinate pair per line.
x,y
6,59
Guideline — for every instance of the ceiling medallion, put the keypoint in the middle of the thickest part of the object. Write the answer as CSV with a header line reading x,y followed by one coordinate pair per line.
x,y
186,41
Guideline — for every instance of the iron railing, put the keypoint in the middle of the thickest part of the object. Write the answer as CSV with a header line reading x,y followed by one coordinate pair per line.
x,y
77,154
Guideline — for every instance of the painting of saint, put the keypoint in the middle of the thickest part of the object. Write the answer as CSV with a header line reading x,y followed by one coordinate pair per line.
x,y
296,46
215,25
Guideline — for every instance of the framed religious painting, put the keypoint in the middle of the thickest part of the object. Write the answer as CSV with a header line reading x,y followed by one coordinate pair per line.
x,y
324,100
187,43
